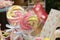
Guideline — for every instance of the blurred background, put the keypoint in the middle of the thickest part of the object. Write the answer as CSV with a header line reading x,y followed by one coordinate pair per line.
x,y
47,5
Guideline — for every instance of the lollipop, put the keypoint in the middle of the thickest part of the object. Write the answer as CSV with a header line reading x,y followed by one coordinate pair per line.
x,y
31,23
14,14
28,21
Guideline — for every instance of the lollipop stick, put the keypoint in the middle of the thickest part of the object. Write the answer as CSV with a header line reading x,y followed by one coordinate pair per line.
x,y
12,35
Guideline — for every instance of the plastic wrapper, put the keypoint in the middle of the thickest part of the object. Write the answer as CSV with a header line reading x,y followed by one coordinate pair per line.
x,y
24,22
30,22
14,13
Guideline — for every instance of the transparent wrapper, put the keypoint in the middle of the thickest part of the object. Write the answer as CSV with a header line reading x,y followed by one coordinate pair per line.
x,y
30,22
14,14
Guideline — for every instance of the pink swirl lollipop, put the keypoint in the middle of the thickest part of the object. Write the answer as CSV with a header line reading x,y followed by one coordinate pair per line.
x,y
14,13
24,22
27,21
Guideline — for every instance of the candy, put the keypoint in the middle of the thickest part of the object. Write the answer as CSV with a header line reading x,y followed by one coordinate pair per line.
x,y
28,20
39,11
14,13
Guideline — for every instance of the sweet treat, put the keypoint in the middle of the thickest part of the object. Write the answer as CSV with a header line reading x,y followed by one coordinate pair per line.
x,y
4,3
32,23
40,12
24,22
14,14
